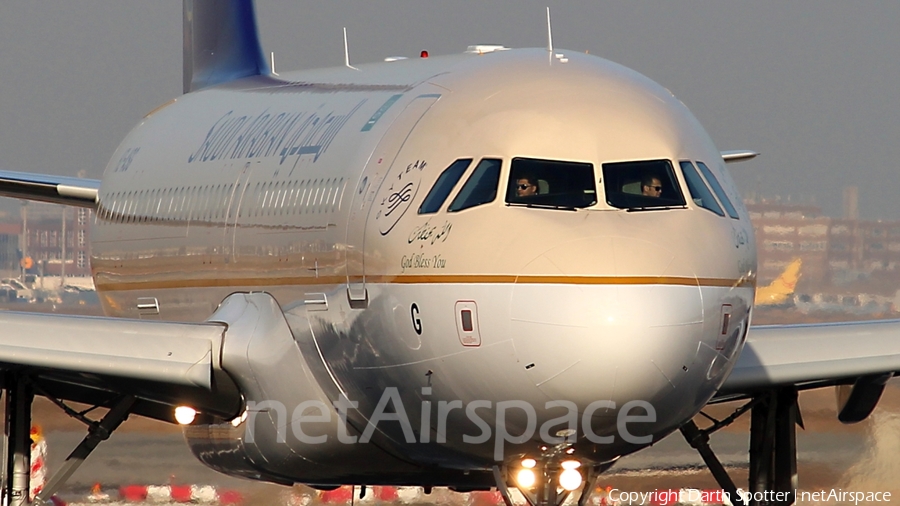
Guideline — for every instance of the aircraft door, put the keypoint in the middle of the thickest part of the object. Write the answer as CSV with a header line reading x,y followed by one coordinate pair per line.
x,y
235,199
367,189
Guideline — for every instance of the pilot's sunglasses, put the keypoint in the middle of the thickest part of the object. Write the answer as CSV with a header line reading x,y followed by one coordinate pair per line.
x,y
524,186
657,188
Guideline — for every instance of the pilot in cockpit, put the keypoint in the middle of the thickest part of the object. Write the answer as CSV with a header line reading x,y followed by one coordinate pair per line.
x,y
526,186
651,186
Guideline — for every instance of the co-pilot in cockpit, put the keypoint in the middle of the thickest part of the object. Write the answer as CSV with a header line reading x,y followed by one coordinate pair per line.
x,y
526,185
551,183
644,184
651,185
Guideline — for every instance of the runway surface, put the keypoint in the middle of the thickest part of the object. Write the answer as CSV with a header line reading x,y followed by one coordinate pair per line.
x,y
830,455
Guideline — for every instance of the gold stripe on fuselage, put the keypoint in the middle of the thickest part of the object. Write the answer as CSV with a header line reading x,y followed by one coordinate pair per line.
x,y
421,280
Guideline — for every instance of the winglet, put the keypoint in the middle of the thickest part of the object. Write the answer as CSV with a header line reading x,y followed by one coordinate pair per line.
x,y
221,43
738,156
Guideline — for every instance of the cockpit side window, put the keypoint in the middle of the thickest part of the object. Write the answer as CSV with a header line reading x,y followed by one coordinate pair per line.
x,y
718,190
443,186
480,188
551,183
641,185
699,192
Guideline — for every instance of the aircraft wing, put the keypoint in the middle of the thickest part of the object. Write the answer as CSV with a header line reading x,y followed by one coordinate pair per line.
x,y
69,191
96,360
813,355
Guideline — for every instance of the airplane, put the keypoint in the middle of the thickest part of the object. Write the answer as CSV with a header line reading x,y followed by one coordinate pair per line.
x,y
780,291
501,268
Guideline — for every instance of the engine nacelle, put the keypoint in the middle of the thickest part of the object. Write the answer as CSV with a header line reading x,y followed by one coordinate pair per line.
x,y
272,357
856,402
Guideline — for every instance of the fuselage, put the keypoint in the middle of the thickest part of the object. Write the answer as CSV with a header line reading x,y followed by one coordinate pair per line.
x,y
323,188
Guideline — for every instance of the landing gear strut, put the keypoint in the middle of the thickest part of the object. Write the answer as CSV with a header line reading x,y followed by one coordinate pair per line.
x,y
20,392
17,429
774,416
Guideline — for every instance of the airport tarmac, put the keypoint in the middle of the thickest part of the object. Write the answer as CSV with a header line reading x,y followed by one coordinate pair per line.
x,y
830,455
862,457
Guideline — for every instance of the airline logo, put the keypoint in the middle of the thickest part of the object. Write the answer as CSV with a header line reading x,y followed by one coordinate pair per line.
x,y
267,134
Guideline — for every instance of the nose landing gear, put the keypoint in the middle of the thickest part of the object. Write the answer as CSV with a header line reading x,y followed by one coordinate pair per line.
x,y
549,480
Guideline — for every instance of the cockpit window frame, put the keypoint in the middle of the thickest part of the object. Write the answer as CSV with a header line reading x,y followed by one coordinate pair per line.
x,y
717,188
475,179
622,185
559,184
699,190
443,185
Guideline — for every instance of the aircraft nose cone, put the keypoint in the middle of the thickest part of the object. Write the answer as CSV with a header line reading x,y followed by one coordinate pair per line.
x,y
608,318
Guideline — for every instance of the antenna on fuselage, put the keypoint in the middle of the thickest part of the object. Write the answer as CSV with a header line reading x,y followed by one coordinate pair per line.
x,y
272,62
549,32
347,52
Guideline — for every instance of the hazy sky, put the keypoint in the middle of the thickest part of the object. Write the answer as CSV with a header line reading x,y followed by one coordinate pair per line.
x,y
814,86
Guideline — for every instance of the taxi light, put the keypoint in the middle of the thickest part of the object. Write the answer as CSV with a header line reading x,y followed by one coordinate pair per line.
x,y
570,479
525,478
570,464
529,463
184,415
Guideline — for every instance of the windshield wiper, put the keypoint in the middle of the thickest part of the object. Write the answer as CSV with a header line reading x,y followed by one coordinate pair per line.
x,y
542,206
654,208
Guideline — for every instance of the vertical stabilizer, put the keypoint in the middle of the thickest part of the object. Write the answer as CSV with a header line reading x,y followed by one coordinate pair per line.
x,y
221,42
780,290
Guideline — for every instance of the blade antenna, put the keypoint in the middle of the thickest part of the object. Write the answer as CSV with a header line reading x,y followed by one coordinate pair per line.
x,y
549,32
272,62
347,52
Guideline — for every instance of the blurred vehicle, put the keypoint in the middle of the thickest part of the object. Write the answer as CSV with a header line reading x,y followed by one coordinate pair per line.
x,y
7,293
851,304
22,291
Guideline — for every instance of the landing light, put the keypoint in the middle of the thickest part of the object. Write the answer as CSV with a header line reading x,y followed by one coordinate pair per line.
x,y
570,478
525,478
528,463
238,420
184,415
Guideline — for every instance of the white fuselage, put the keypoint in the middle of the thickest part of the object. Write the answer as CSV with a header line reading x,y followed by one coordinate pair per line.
x,y
310,188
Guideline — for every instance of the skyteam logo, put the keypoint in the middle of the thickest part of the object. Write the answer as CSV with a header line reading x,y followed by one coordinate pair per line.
x,y
396,194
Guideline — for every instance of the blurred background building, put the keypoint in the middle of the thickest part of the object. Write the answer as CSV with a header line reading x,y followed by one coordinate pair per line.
x,y
46,239
835,251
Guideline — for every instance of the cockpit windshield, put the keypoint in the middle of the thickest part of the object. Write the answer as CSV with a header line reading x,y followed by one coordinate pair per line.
x,y
551,183
641,185
480,188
